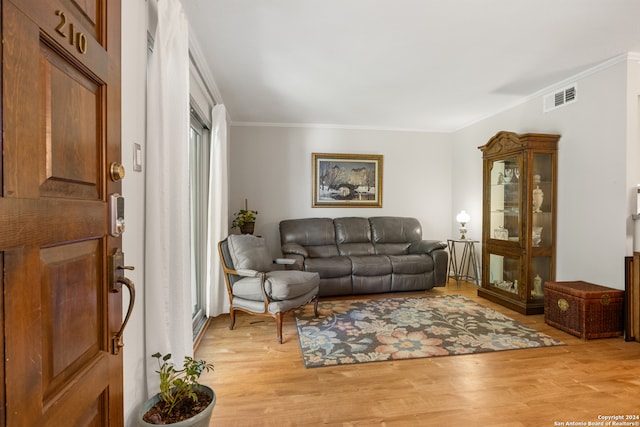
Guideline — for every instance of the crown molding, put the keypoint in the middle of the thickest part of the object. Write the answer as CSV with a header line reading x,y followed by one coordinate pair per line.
x,y
333,126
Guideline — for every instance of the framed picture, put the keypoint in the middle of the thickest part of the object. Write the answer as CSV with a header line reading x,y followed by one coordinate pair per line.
x,y
347,180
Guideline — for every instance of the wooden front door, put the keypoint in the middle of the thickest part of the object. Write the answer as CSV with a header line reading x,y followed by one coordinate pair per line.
x,y
61,132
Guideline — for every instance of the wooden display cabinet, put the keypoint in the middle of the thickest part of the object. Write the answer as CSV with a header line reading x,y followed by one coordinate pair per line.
x,y
519,219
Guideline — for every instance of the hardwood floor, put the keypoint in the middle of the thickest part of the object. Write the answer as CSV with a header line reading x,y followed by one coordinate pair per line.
x,y
259,382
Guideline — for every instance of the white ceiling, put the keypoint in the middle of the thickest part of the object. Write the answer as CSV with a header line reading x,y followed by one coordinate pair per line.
x,y
433,65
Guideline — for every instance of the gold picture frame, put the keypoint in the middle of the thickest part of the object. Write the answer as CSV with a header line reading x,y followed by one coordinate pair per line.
x,y
347,180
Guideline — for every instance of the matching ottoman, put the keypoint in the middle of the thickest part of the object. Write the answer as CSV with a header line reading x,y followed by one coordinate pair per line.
x,y
584,309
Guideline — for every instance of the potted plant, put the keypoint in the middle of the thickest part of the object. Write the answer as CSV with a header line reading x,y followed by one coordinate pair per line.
x,y
182,401
245,220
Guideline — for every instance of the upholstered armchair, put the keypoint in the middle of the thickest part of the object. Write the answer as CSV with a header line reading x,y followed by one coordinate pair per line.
x,y
257,285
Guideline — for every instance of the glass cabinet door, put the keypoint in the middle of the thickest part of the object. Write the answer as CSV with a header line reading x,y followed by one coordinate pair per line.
x,y
504,200
542,201
540,273
541,223
504,272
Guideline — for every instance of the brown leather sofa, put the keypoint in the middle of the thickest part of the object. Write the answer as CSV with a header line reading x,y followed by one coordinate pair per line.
x,y
356,255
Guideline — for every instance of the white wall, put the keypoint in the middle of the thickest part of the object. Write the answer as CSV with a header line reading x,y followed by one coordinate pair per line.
x,y
271,167
134,66
595,174
633,147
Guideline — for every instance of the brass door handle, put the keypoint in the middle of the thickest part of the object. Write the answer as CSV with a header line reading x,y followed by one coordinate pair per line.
x,y
117,338
116,270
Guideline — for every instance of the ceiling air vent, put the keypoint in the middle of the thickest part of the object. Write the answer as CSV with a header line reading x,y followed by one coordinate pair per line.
x,y
559,98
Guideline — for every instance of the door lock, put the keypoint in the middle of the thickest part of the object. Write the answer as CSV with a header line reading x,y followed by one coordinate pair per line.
x,y
116,213
116,171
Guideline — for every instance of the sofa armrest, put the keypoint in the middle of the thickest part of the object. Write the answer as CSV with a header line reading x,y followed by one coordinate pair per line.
x,y
435,249
294,249
426,246
441,262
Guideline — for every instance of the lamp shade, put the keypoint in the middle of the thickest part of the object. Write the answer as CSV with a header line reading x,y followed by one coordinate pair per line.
x,y
463,217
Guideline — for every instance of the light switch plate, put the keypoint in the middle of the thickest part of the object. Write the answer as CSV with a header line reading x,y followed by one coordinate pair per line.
x,y
137,157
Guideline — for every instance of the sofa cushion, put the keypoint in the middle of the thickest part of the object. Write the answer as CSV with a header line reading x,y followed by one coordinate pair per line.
x,y
392,248
329,267
355,249
249,252
322,251
316,235
353,236
308,231
388,229
393,235
411,264
371,265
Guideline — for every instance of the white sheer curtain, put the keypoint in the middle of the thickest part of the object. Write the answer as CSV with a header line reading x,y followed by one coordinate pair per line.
x,y
217,299
167,248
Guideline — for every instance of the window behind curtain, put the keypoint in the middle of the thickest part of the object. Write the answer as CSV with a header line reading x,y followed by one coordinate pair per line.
x,y
199,147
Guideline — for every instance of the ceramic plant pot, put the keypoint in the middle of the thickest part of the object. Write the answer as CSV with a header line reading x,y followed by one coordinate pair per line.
x,y
200,420
247,227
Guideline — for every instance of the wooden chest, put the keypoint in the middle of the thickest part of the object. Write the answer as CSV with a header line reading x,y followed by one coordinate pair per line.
x,y
584,309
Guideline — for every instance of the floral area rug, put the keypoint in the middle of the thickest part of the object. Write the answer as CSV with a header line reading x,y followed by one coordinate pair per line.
x,y
358,331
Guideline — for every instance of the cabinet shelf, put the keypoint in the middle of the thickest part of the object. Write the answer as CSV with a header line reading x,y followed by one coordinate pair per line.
x,y
519,229
507,211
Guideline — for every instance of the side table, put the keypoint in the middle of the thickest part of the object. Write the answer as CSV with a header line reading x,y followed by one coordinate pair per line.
x,y
460,271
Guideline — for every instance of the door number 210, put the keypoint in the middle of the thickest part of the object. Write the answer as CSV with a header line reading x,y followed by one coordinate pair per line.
x,y
77,39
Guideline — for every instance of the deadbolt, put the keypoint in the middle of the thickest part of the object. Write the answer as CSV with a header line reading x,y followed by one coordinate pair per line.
x,y
116,171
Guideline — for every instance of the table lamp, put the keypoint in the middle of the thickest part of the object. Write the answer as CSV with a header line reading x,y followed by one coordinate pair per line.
x,y
463,218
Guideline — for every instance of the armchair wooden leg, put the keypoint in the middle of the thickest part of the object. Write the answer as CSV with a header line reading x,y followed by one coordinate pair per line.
x,y
279,326
232,315
315,305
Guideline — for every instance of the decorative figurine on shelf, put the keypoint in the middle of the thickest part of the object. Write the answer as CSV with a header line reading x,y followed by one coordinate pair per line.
x,y
536,178
536,236
508,175
538,196
537,286
501,233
